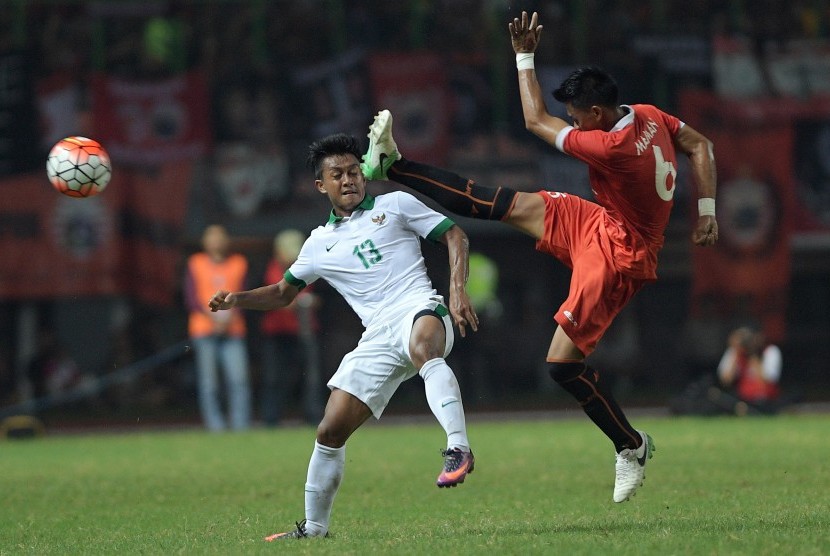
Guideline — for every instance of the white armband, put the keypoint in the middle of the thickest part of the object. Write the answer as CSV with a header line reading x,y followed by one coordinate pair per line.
x,y
706,206
524,60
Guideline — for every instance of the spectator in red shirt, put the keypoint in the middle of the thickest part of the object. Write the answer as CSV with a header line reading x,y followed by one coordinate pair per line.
x,y
751,368
289,342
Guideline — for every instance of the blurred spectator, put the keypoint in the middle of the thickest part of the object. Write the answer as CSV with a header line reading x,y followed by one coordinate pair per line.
x,y
289,341
746,381
750,369
218,338
483,284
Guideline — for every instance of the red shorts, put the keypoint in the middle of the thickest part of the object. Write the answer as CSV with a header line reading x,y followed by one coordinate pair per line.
x,y
577,233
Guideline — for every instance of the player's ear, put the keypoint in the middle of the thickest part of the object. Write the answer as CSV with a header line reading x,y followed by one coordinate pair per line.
x,y
319,185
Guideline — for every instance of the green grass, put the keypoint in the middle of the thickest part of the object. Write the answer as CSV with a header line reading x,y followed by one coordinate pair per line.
x,y
715,487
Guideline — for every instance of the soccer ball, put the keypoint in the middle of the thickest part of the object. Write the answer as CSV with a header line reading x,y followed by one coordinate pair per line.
x,y
78,167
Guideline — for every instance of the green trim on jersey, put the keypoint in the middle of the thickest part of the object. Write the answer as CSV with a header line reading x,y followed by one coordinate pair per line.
x,y
296,282
441,311
367,203
440,230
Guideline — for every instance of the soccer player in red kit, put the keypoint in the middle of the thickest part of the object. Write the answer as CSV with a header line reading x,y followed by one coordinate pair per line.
x,y
611,244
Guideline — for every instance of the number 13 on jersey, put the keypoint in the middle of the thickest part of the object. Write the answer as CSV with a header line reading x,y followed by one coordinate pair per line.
x,y
367,253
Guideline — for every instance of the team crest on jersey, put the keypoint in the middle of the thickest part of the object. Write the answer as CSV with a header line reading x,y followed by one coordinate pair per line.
x,y
379,218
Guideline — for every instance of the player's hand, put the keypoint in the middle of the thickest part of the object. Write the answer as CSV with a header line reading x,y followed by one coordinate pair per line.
x,y
525,34
463,313
706,231
222,300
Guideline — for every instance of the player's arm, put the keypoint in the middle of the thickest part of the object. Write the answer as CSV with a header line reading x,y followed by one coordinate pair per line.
x,y
727,367
525,34
701,155
461,308
266,298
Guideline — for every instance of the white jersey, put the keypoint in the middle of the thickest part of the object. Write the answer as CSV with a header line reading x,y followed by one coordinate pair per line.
x,y
373,257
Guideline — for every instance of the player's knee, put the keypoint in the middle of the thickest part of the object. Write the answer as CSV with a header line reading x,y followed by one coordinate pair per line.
x,y
421,352
331,434
576,378
428,338
493,202
566,371
502,203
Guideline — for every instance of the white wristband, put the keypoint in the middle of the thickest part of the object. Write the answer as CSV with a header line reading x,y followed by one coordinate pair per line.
x,y
706,206
524,61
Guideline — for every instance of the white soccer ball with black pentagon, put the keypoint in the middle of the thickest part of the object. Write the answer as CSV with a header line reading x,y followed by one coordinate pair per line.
x,y
78,167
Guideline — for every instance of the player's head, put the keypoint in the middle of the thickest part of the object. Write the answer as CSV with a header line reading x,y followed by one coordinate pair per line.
x,y
588,86
335,160
588,93
331,145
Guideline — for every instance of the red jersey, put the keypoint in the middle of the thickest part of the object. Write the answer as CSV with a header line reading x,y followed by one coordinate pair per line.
x,y
632,170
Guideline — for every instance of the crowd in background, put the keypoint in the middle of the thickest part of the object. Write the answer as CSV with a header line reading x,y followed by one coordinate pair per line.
x,y
275,72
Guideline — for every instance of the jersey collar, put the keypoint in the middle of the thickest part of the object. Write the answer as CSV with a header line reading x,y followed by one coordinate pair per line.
x,y
626,120
367,203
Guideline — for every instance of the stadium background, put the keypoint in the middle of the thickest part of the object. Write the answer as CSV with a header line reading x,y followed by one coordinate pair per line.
x,y
206,109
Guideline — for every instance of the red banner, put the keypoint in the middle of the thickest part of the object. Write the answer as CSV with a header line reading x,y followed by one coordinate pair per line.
x,y
152,226
54,245
125,241
414,88
152,122
748,273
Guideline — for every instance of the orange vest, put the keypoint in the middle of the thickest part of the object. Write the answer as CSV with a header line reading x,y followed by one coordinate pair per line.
x,y
209,276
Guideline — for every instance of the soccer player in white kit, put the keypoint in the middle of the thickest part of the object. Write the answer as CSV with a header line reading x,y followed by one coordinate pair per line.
x,y
370,252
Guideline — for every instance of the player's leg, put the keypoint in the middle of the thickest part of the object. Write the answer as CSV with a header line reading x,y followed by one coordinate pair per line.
x,y
344,414
428,346
455,193
597,293
568,368
585,384
365,381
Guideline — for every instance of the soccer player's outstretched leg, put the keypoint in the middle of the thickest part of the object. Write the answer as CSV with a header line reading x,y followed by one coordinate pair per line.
x,y
630,211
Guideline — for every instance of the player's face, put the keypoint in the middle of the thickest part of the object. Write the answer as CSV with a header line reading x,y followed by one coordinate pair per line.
x,y
343,183
585,119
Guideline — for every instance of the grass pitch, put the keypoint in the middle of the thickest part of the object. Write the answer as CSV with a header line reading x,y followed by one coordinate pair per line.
x,y
716,486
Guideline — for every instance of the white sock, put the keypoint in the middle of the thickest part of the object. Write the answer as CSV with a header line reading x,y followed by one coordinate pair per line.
x,y
444,399
325,471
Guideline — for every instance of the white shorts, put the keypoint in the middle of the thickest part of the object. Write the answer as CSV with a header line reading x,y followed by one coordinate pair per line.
x,y
381,361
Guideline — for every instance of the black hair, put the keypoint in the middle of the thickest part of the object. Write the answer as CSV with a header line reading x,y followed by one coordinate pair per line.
x,y
588,86
331,145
